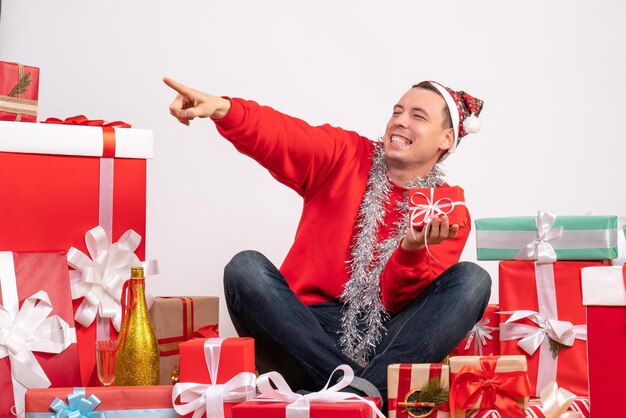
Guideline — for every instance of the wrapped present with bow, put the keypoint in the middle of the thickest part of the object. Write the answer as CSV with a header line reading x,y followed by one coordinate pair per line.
x,y
177,319
604,295
418,390
65,178
277,400
37,334
547,238
215,374
492,382
484,337
543,318
555,402
101,402
19,92
429,203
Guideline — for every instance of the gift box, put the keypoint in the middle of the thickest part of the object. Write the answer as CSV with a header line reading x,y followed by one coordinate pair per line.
x,y
113,401
604,294
37,334
257,409
547,321
427,204
547,238
484,337
178,319
277,400
19,92
63,180
223,367
492,382
406,381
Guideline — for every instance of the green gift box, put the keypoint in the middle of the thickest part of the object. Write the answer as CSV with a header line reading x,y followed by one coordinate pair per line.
x,y
547,238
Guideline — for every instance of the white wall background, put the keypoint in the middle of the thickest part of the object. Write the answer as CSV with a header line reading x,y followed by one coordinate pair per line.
x,y
551,74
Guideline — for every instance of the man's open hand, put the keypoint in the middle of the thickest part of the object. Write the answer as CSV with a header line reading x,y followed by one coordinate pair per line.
x,y
438,231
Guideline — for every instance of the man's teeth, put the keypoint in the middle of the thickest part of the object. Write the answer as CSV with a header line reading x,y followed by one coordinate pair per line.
x,y
400,140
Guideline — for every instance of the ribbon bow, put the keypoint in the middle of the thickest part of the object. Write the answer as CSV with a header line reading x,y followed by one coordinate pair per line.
x,y
539,249
422,214
83,121
479,334
31,329
497,389
531,337
555,401
77,406
210,398
299,405
99,279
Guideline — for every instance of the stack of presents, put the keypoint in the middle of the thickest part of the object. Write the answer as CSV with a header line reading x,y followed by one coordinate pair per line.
x,y
71,226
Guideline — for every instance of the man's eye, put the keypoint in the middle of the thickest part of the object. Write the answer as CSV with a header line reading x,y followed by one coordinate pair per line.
x,y
418,116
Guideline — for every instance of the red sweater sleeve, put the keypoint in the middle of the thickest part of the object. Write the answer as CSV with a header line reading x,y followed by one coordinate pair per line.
x,y
408,273
295,153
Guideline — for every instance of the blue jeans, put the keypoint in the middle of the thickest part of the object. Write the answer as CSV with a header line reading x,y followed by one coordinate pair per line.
x,y
301,342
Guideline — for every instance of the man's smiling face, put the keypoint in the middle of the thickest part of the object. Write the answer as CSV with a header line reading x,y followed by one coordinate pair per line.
x,y
415,134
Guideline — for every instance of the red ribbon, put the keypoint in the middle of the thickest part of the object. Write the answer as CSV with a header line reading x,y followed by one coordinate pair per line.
x,y
108,131
498,389
404,387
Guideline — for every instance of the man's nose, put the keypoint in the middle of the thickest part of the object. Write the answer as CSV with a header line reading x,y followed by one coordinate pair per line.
x,y
401,119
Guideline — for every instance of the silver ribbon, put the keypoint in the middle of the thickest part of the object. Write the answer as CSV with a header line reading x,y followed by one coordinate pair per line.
x,y
479,334
540,249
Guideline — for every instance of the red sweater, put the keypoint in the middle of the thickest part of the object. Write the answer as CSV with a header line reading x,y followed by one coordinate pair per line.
x,y
329,168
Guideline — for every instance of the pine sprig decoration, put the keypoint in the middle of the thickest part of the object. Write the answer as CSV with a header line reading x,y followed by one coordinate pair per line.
x,y
556,347
21,86
420,403
434,392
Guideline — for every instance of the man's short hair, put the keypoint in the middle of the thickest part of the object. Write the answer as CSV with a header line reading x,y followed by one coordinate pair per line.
x,y
426,85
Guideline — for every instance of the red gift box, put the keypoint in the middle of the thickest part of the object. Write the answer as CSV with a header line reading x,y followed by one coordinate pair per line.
x,y
60,188
223,361
402,379
124,401
33,350
604,294
546,298
499,382
256,409
276,398
427,204
484,337
177,319
19,91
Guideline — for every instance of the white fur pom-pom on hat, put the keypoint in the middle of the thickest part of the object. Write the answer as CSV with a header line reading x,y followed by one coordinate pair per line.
x,y
471,124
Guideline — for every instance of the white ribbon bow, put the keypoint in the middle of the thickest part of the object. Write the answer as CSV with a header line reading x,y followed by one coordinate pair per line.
x,y
531,337
428,211
539,249
555,401
31,329
210,398
299,405
431,209
479,334
100,279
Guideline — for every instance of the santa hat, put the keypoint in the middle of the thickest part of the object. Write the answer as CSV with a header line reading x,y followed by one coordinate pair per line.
x,y
464,110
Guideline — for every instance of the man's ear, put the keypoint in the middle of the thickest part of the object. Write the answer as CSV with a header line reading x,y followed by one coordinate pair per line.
x,y
447,140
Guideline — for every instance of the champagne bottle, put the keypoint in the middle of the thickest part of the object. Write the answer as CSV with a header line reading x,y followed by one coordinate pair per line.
x,y
137,356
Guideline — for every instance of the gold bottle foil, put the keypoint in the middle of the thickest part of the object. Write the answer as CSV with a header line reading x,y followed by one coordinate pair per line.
x,y
137,357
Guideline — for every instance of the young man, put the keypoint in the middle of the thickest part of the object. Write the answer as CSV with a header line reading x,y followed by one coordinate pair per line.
x,y
358,286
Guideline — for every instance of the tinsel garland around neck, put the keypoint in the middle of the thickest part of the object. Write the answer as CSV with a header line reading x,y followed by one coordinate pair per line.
x,y
364,316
